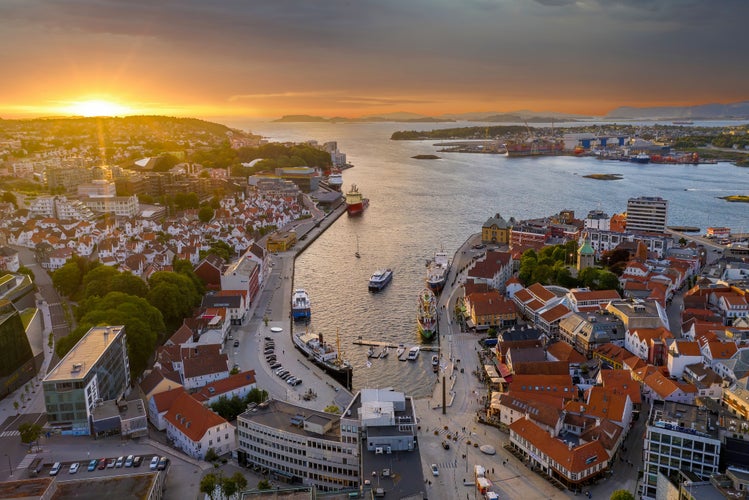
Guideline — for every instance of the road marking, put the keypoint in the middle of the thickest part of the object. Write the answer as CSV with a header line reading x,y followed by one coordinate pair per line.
x,y
10,434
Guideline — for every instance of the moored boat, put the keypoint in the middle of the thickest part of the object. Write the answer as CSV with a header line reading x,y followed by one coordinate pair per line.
x,y
401,349
426,316
413,353
380,279
371,353
639,158
385,351
435,362
300,304
325,355
335,180
437,270
355,202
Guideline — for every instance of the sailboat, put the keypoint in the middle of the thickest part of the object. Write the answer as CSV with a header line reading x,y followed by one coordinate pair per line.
x,y
357,254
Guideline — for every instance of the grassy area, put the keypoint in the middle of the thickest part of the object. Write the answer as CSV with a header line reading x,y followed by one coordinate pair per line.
x,y
27,315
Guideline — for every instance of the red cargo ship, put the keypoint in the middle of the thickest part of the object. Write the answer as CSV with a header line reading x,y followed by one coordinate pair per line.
x,y
355,202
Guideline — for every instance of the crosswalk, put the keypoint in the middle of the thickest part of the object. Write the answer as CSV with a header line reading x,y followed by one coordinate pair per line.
x,y
447,465
9,434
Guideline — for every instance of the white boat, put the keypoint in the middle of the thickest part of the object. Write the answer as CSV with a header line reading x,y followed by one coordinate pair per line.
x,y
385,351
437,270
413,353
300,304
380,279
401,349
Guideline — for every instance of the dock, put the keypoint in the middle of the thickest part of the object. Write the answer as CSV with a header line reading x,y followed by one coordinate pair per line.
x,y
375,343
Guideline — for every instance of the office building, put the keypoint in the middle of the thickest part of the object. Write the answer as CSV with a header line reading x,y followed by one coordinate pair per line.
x,y
647,214
96,369
679,437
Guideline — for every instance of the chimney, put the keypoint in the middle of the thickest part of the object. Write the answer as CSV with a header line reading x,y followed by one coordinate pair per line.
x,y
569,446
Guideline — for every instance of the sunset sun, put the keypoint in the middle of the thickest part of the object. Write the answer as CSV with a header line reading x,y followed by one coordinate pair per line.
x,y
98,107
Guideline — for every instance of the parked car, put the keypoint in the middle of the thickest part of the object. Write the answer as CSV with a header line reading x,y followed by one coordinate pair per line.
x,y
435,471
154,462
111,463
236,343
74,468
129,461
92,465
275,365
120,461
162,463
102,463
55,469
138,460
268,338
297,382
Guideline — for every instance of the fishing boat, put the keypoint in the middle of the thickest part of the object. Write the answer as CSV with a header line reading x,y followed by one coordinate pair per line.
x,y
437,270
300,305
400,350
355,202
426,316
325,355
435,362
385,351
413,353
380,279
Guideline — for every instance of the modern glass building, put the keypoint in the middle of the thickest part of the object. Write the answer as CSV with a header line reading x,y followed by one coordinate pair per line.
x,y
95,370
647,213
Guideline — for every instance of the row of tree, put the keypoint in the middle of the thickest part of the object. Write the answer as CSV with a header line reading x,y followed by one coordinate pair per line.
x,y
551,266
230,408
107,296
212,483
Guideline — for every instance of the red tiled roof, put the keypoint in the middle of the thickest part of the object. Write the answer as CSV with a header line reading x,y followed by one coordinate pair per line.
x,y
541,292
565,352
583,295
164,400
523,295
192,418
233,382
574,461
620,381
722,350
660,384
555,313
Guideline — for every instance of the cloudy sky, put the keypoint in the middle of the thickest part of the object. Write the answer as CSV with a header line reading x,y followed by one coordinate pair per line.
x,y
267,58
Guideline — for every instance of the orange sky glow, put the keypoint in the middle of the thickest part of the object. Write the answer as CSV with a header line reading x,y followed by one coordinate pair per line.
x,y
265,59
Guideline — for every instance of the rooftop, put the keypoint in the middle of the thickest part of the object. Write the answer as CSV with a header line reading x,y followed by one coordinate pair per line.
x,y
84,355
288,417
683,418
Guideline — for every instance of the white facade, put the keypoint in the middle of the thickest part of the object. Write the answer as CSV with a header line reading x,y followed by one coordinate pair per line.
x,y
219,437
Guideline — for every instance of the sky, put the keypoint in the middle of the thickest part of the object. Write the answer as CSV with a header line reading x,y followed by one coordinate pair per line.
x,y
268,58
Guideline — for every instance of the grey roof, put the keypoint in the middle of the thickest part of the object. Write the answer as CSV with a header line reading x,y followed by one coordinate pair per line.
x,y
497,220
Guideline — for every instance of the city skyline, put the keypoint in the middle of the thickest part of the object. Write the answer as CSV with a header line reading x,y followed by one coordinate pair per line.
x,y
340,58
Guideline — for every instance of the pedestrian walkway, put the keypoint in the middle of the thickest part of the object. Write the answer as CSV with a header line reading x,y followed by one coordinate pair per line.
x,y
9,434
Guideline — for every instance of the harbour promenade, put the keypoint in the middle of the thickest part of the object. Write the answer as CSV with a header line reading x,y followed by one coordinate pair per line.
x,y
270,317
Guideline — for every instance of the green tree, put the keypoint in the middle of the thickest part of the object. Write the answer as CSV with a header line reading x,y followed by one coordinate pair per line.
x,y
143,323
622,495
228,486
332,409
208,484
174,294
240,481
98,281
210,455
205,214
67,279
220,248
30,432
263,484
234,370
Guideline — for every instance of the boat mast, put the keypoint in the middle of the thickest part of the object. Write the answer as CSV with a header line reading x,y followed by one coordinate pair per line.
x,y
338,346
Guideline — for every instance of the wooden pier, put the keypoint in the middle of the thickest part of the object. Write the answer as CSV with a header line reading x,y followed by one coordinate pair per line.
x,y
375,343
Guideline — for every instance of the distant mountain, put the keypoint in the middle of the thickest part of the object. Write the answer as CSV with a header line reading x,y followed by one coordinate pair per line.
x,y
518,116
732,111
391,117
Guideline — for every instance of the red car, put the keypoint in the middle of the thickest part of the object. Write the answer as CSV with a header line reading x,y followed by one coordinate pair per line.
x,y
102,464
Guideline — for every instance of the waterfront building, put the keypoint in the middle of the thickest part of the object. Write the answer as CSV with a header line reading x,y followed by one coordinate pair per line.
x,y
243,274
96,369
280,241
603,241
306,178
647,214
494,269
679,437
495,230
489,310
296,444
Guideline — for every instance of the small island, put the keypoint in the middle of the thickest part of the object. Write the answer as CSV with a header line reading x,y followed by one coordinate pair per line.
x,y
426,157
605,177
736,198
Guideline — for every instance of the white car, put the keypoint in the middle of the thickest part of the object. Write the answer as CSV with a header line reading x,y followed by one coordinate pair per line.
x,y
435,471
55,469
74,468
154,462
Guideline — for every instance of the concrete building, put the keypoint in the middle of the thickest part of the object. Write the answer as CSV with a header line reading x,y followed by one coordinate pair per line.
x,y
647,214
96,369
679,437
195,429
299,445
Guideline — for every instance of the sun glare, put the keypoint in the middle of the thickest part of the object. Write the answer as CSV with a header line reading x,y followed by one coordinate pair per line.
x,y
97,107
